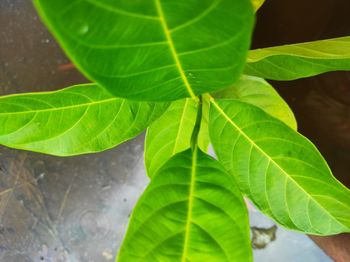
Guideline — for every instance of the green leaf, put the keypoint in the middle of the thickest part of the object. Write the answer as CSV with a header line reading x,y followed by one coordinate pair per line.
x,y
191,211
257,4
153,49
258,92
295,61
76,120
278,169
203,136
170,134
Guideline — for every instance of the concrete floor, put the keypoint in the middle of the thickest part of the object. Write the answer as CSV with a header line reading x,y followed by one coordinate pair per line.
x,y
76,209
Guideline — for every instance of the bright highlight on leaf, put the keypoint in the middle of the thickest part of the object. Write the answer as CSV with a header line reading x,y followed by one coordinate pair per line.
x,y
258,92
295,61
76,120
190,211
278,169
257,4
154,49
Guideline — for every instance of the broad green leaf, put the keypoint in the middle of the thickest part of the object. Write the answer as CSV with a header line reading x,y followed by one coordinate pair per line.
x,y
258,92
257,4
153,49
76,120
295,61
170,134
278,169
191,211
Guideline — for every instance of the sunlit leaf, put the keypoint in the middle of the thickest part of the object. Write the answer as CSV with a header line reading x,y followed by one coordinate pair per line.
x,y
153,49
258,92
257,4
170,134
76,120
295,61
278,169
191,211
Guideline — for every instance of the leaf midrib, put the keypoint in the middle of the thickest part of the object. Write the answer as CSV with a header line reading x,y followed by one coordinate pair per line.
x,y
60,108
172,48
271,160
190,204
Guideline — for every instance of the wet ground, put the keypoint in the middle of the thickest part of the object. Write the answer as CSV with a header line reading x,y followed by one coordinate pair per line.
x,y
76,209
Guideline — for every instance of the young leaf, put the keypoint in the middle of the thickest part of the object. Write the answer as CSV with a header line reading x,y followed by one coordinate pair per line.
x,y
76,120
295,61
154,49
258,92
191,211
278,169
170,134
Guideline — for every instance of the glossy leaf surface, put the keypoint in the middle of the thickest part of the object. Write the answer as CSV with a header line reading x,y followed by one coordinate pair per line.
x,y
258,92
191,211
76,120
153,49
278,169
295,61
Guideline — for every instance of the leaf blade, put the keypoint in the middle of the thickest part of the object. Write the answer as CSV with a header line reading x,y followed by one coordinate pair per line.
x,y
301,60
154,40
170,134
267,156
76,120
260,93
189,192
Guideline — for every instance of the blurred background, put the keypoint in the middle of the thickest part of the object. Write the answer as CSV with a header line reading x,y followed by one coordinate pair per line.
x,y
77,209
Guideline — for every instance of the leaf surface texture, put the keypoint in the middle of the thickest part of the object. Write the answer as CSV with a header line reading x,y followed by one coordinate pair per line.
x,y
153,49
278,169
260,93
191,211
170,134
289,62
76,120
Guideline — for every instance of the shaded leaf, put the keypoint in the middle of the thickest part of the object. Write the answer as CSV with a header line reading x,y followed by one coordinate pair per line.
x,y
258,92
72,121
153,49
295,61
191,211
278,169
